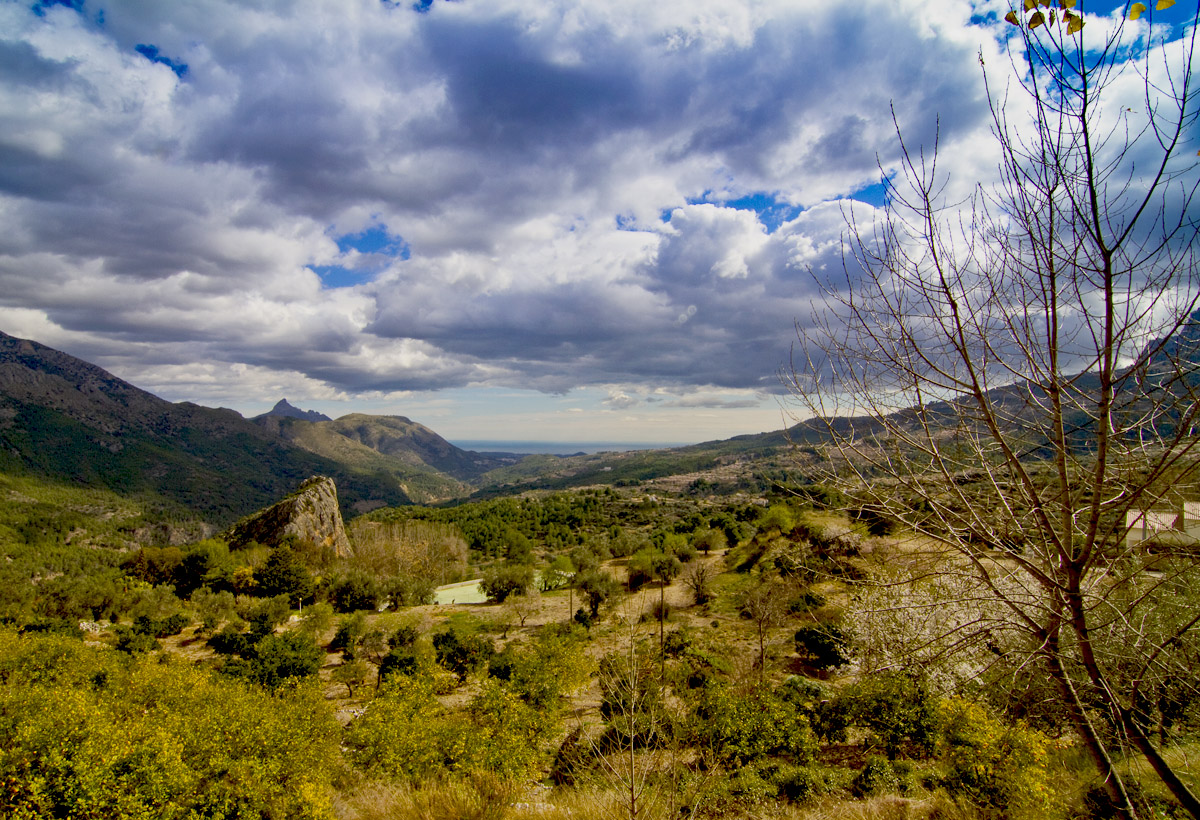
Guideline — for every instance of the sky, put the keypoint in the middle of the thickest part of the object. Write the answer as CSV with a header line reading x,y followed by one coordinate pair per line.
x,y
565,220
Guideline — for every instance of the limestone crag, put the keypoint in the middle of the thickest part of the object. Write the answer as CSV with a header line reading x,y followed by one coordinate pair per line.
x,y
311,515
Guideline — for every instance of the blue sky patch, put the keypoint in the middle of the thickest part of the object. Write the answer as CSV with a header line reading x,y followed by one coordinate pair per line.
x,y
876,194
152,54
771,212
378,249
420,6
335,276
375,239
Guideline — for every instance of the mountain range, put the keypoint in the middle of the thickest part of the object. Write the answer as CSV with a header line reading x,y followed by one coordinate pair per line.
x,y
68,420
64,419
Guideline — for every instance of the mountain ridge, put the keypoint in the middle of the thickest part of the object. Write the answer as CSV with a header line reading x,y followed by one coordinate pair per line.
x,y
65,418
62,417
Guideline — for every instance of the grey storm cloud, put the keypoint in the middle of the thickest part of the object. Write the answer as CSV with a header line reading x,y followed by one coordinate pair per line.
x,y
559,175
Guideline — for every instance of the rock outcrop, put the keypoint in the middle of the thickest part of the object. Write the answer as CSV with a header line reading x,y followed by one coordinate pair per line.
x,y
311,515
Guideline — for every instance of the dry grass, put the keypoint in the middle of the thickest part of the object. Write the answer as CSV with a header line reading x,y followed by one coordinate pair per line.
x,y
485,798
477,798
885,807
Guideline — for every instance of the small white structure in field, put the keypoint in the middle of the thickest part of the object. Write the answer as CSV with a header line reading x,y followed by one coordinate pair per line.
x,y
1180,524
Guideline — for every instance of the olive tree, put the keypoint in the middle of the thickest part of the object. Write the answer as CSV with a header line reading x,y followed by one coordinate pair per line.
x,y
1013,375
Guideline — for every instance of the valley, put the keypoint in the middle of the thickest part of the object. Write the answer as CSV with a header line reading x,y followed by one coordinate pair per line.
x,y
699,631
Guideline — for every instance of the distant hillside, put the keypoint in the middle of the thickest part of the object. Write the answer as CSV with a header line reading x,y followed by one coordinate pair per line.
x,y
65,419
748,463
414,443
420,482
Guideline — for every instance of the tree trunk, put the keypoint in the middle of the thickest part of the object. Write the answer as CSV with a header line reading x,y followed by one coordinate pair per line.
x,y
1114,786
1179,789
1170,779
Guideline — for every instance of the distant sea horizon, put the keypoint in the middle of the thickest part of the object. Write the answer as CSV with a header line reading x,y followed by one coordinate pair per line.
x,y
559,447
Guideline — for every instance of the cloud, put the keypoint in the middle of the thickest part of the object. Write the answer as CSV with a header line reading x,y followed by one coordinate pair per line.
x,y
556,182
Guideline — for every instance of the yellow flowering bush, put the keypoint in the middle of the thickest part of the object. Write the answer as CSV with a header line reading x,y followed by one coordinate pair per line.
x,y
991,762
406,733
501,733
155,740
398,735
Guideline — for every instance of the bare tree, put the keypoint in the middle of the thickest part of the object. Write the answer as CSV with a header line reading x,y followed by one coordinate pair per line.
x,y
632,751
423,549
699,578
1014,376
525,605
764,603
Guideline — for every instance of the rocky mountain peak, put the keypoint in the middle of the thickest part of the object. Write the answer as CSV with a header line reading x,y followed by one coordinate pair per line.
x,y
284,408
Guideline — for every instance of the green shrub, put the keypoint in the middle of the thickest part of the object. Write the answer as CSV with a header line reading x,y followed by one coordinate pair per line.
x,y
352,674
461,652
348,635
213,607
284,574
401,660
278,659
542,672
397,735
499,734
878,776
404,590
748,787
779,518
825,646
737,728
133,641
677,642
355,592
317,618
876,521
660,611
500,583
230,641
799,784
649,565
896,707
1097,805
597,587
632,702
405,732
264,614
404,635
805,602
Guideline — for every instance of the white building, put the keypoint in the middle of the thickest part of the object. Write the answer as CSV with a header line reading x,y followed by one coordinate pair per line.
x,y
1181,523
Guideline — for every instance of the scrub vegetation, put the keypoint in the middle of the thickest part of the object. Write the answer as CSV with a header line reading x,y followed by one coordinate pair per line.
x,y
644,655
